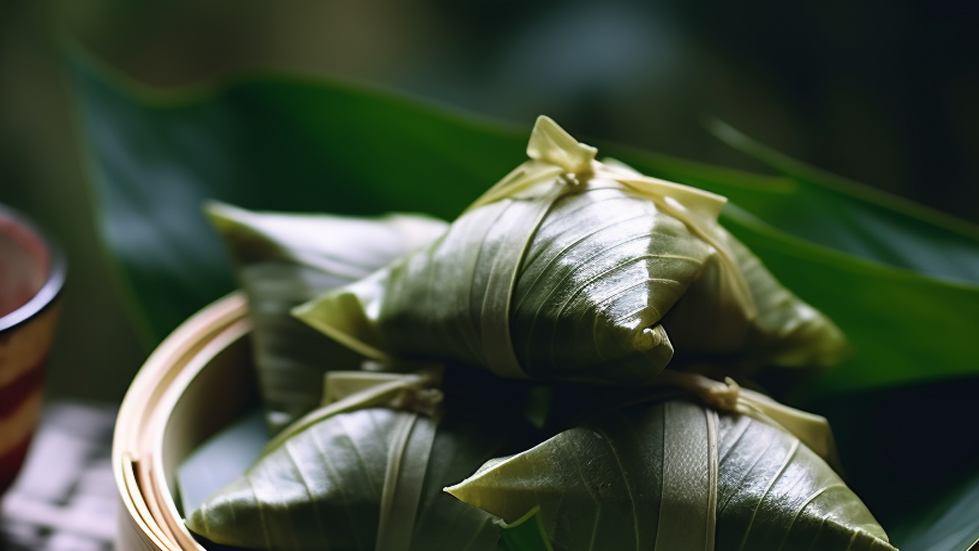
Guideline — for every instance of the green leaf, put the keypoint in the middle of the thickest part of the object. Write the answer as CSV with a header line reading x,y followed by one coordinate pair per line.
x,y
867,222
910,453
155,156
830,210
284,144
283,260
291,144
372,479
220,459
526,534
589,276
951,524
653,476
904,327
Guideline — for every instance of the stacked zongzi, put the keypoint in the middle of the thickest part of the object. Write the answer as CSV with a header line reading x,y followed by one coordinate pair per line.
x,y
569,278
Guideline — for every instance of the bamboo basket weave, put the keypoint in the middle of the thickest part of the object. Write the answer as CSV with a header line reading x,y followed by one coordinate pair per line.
x,y
198,380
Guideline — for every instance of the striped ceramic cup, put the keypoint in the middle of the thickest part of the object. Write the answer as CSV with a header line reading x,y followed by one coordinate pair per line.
x,y
31,276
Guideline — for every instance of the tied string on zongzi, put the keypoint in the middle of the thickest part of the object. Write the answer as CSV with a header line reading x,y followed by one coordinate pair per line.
x,y
687,463
555,153
366,470
411,439
283,260
570,269
561,165
418,392
724,397
727,396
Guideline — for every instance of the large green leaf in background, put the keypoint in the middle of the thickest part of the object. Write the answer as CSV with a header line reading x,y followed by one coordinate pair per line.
x,y
829,210
292,144
269,144
901,281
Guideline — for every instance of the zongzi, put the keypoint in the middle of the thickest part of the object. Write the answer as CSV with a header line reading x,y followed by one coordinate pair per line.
x,y
673,474
366,472
586,279
283,260
577,270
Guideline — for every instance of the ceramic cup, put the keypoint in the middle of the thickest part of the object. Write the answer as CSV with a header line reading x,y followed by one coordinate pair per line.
x,y
32,272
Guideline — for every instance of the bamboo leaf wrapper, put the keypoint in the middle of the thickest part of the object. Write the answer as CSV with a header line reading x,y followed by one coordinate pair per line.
x,y
618,295
362,474
675,475
282,260
578,270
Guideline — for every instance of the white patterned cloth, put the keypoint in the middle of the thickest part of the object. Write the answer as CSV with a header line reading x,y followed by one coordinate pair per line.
x,y
65,497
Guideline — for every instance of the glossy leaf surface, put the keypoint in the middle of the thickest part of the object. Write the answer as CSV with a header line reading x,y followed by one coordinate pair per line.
x,y
318,141
324,486
297,144
948,524
841,214
289,144
635,473
872,303
282,260
829,210
571,271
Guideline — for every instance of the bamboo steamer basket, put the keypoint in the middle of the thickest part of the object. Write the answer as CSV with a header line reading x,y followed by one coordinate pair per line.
x,y
197,381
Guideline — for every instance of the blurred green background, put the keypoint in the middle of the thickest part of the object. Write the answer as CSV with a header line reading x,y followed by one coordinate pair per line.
x,y
881,92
